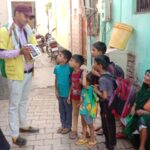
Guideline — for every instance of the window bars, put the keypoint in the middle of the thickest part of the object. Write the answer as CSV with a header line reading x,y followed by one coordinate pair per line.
x,y
143,6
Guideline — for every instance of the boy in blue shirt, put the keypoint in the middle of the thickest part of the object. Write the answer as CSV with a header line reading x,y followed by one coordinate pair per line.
x,y
62,73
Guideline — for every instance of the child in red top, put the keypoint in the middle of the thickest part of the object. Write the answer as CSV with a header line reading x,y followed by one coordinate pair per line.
x,y
76,86
75,93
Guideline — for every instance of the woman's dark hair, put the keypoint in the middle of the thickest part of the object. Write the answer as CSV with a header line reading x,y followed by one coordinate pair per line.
x,y
100,46
90,78
67,54
101,60
79,59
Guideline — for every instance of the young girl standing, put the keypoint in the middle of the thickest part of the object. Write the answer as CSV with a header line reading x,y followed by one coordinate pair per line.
x,y
88,109
104,91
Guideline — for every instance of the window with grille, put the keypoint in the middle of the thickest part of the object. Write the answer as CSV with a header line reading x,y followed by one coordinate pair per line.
x,y
143,6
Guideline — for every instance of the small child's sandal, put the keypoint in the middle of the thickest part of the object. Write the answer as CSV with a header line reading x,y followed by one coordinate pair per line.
x,y
81,142
91,144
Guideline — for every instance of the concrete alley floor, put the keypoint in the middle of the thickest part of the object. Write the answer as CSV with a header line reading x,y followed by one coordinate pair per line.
x,y
43,113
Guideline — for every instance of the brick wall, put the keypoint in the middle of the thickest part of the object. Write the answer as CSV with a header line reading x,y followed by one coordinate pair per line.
x,y
77,34
130,72
131,66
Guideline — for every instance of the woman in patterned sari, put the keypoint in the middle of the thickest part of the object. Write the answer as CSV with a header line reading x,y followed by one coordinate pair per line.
x,y
141,119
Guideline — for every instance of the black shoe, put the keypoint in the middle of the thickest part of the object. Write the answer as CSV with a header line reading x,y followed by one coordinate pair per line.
x,y
29,130
100,132
19,141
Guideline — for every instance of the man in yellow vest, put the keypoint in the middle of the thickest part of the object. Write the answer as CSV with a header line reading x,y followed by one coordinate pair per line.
x,y
19,69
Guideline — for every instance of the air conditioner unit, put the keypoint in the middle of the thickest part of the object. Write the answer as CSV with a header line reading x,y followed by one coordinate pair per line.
x,y
105,11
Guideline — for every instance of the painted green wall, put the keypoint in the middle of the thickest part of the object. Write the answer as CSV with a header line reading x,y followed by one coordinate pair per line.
x,y
90,41
139,44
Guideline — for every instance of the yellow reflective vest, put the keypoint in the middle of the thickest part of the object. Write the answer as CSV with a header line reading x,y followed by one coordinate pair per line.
x,y
14,67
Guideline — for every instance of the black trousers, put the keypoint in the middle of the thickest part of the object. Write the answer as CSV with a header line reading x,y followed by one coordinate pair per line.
x,y
108,125
4,145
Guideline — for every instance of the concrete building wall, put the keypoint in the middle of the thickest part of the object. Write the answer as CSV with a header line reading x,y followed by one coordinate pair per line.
x,y
124,11
76,28
61,21
41,17
3,12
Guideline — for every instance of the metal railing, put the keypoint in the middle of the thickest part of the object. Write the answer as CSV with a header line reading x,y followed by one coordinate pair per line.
x,y
143,6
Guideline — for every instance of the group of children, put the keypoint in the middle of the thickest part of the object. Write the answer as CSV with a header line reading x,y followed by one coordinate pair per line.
x,y
79,92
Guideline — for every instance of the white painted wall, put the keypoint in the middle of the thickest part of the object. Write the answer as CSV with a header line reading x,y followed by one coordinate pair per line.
x,y
3,12
61,21
119,57
41,17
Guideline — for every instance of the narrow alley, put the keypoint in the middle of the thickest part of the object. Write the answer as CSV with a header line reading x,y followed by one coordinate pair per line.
x,y
43,113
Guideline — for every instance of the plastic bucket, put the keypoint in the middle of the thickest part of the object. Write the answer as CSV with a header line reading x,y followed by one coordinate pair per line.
x,y
120,36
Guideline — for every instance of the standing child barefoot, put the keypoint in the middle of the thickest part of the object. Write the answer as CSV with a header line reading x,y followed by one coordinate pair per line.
x,y
62,73
88,109
76,87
